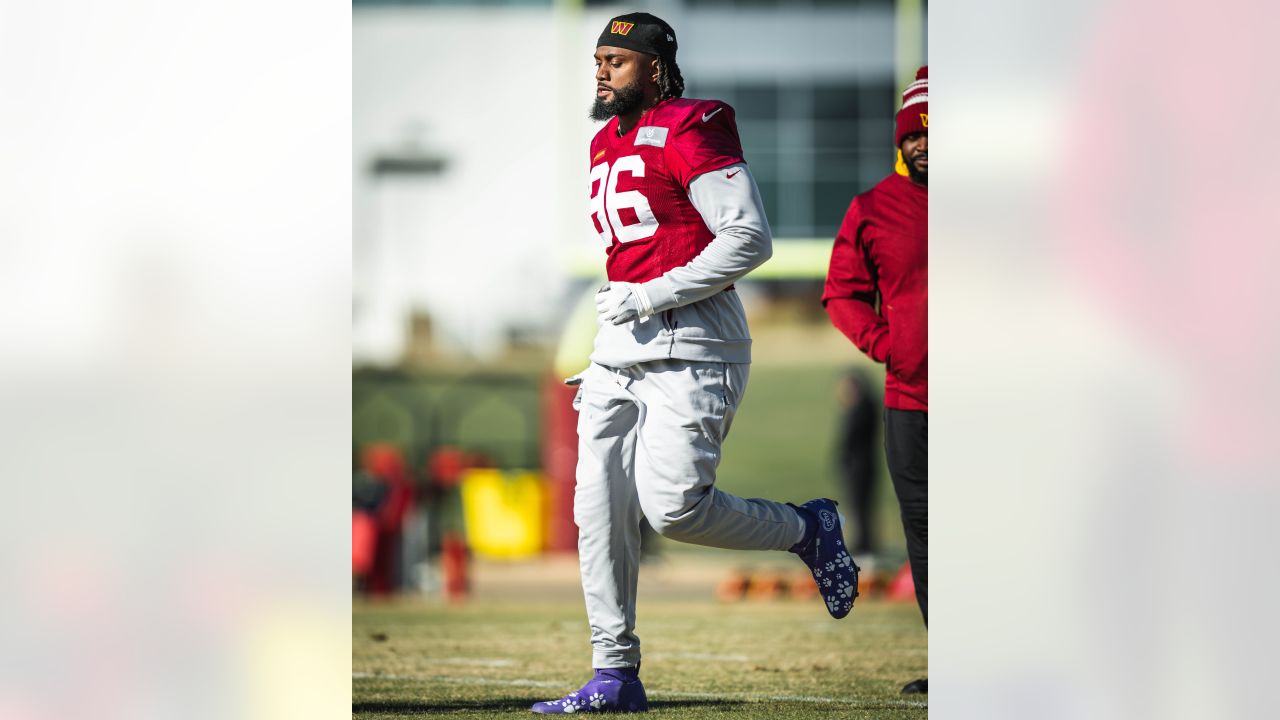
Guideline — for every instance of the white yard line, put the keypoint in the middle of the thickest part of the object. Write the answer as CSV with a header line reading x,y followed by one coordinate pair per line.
x,y
893,702
741,697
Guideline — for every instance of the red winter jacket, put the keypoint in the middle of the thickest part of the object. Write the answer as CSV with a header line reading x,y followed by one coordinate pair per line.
x,y
882,250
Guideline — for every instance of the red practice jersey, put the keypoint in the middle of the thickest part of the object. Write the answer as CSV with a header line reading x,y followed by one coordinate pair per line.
x,y
883,248
640,185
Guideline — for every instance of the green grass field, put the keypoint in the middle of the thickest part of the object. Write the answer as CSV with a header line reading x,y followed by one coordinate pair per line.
x,y
782,660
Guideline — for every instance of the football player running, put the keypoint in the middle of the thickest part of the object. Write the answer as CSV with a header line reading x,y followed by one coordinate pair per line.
x,y
681,220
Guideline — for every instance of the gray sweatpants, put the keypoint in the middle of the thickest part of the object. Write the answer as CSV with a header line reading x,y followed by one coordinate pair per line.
x,y
649,439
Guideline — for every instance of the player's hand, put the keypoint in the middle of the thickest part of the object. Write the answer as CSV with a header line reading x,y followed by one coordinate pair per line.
x,y
617,303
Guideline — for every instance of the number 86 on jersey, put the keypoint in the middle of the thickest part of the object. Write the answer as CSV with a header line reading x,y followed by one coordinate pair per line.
x,y
607,202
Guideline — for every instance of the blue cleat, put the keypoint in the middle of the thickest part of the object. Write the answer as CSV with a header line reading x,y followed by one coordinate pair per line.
x,y
828,559
605,692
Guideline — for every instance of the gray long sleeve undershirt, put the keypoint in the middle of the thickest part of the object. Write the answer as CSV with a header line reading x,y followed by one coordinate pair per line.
x,y
730,205
690,318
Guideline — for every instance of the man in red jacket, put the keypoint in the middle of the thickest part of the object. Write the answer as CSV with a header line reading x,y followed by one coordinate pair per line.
x,y
881,254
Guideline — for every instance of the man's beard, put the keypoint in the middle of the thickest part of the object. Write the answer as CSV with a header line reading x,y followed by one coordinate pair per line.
x,y
917,175
625,99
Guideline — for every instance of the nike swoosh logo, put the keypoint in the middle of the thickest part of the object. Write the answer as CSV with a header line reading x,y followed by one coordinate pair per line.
x,y
707,116
730,175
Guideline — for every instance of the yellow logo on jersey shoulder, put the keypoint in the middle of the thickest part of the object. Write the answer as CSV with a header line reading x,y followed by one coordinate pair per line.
x,y
599,155
924,119
621,28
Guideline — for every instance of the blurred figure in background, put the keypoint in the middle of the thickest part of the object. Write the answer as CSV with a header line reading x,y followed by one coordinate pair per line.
x,y
386,466
855,457
367,495
882,254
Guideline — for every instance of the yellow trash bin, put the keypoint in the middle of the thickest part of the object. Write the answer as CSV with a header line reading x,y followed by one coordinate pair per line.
x,y
503,512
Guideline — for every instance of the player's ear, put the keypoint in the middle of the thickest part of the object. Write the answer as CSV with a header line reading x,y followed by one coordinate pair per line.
x,y
655,68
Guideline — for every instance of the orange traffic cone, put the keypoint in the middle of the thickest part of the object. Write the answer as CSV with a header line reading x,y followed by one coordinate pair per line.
x,y
766,585
734,587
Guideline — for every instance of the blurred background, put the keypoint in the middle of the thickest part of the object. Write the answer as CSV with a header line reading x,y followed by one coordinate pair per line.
x,y
177,243
177,246
473,265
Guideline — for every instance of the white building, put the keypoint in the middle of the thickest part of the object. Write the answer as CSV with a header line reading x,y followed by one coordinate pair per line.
x,y
470,132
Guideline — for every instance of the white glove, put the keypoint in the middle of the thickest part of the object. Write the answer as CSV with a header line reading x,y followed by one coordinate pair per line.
x,y
622,302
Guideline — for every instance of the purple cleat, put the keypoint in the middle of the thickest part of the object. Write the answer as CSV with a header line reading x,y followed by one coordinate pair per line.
x,y
606,692
828,559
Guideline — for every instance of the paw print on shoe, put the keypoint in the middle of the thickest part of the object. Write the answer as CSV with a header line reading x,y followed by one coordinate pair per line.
x,y
827,557
596,701
569,706
846,589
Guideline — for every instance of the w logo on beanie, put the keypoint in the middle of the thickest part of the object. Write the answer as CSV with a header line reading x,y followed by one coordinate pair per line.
x,y
914,115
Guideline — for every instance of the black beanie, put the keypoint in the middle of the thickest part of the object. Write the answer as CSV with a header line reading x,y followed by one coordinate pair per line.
x,y
641,32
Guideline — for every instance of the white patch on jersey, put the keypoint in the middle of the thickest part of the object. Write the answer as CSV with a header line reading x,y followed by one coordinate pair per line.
x,y
650,135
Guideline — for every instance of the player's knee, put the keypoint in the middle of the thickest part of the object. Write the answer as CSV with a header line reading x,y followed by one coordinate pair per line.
x,y
668,527
672,521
